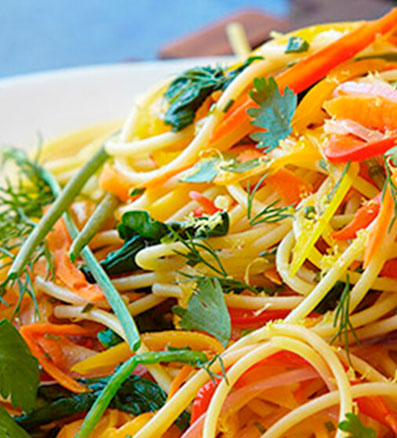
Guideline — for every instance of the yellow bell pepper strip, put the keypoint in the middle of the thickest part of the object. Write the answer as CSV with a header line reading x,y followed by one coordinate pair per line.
x,y
306,240
156,341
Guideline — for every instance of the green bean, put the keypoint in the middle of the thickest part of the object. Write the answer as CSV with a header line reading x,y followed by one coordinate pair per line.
x,y
94,223
112,295
197,358
67,196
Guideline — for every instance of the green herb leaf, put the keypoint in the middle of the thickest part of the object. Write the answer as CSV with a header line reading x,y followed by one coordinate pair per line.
x,y
188,92
274,113
207,311
296,45
140,231
19,373
141,223
355,427
241,167
108,338
203,172
136,396
8,427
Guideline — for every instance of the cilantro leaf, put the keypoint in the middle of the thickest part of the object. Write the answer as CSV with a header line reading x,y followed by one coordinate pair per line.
x,y
207,311
8,427
355,427
19,373
296,44
274,113
204,172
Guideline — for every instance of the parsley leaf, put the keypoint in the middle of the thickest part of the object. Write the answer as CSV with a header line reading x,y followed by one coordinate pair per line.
x,y
274,113
296,45
19,373
207,311
204,172
188,91
8,427
355,427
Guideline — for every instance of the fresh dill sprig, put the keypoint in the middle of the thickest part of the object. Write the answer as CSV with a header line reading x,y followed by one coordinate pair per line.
x,y
213,262
251,194
213,376
194,257
342,319
272,214
21,205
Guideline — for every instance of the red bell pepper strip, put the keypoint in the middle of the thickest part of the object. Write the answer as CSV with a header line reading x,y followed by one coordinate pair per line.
x,y
389,269
313,68
343,148
374,407
280,359
250,318
203,400
363,217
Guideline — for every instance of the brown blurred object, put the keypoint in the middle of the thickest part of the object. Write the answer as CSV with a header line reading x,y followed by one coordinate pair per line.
x,y
212,40
306,12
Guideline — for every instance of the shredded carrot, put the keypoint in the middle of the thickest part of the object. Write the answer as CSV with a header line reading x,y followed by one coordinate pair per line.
x,y
379,232
58,241
113,181
179,380
289,186
41,328
48,365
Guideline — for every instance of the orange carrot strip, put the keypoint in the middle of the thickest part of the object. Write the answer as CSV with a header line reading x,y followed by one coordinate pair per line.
x,y
57,329
363,217
289,186
179,379
113,181
58,241
53,348
379,232
49,367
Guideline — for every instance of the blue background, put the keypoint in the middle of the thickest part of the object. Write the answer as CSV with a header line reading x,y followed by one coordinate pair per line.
x,y
46,34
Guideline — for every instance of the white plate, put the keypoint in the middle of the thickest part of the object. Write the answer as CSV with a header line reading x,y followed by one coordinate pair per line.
x,y
58,102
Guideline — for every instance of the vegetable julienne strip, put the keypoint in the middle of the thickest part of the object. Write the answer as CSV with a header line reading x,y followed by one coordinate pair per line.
x,y
256,259
99,274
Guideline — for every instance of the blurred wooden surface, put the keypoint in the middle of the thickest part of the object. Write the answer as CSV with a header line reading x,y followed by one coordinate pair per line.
x,y
212,40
